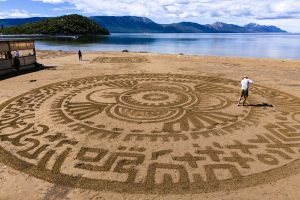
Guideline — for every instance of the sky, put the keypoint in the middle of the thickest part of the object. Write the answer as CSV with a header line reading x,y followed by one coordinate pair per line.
x,y
282,13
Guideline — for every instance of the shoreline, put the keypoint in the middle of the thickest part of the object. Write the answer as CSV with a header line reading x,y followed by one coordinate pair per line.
x,y
171,54
275,73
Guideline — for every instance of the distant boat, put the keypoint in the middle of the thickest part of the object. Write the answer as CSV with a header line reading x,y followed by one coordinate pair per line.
x,y
75,37
70,36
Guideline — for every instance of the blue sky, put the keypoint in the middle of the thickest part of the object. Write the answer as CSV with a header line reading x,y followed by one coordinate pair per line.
x,y
282,13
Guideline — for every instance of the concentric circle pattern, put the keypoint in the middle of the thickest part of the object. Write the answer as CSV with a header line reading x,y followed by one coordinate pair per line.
x,y
158,98
151,133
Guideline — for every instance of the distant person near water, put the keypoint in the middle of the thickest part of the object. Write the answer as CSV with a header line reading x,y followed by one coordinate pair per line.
x,y
80,55
245,84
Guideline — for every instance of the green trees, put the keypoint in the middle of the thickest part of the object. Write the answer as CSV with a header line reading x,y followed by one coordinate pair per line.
x,y
64,25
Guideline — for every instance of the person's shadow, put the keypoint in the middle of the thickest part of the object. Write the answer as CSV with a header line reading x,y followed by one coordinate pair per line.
x,y
15,73
259,105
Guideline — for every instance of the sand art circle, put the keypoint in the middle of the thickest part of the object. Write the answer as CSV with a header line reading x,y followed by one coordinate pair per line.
x,y
151,133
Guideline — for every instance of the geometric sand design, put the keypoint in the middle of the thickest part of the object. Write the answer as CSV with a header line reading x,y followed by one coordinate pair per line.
x,y
151,133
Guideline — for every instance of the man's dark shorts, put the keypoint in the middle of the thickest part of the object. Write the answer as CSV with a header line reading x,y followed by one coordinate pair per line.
x,y
244,93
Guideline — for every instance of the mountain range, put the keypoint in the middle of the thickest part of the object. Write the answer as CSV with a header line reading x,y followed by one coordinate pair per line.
x,y
133,24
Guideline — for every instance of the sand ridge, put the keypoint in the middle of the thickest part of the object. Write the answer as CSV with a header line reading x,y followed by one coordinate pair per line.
x,y
124,59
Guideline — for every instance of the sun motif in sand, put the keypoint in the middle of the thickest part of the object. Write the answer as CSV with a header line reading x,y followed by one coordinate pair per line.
x,y
178,107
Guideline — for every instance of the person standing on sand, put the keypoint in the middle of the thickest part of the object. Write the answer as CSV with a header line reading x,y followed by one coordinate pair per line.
x,y
245,84
80,55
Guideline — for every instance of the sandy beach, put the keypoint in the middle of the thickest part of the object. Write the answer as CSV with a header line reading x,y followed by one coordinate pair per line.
x,y
150,126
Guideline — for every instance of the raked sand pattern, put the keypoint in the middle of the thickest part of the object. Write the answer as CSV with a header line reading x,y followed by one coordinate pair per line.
x,y
151,133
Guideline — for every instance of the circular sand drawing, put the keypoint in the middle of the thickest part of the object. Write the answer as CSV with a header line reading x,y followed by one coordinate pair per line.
x,y
151,133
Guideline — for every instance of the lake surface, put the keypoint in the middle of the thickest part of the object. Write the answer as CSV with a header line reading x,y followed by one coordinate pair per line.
x,y
286,46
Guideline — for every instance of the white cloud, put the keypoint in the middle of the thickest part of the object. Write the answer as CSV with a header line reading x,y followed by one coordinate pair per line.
x,y
205,11
19,13
51,1
16,14
271,9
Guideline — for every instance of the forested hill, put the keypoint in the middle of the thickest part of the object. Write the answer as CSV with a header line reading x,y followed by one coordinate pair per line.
x,y
64,25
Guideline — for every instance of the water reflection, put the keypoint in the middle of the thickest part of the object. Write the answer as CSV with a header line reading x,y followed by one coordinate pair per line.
x,y
116,40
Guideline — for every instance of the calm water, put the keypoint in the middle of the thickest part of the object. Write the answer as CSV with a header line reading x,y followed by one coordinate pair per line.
x,y
286,46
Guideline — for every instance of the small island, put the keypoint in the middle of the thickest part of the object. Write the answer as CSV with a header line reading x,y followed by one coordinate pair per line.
x,y
66,25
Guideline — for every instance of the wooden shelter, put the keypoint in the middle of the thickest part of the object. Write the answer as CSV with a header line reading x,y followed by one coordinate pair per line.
x,y
17,55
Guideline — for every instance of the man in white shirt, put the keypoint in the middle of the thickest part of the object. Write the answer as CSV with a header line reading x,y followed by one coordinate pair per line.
x,y
245,84
17,54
